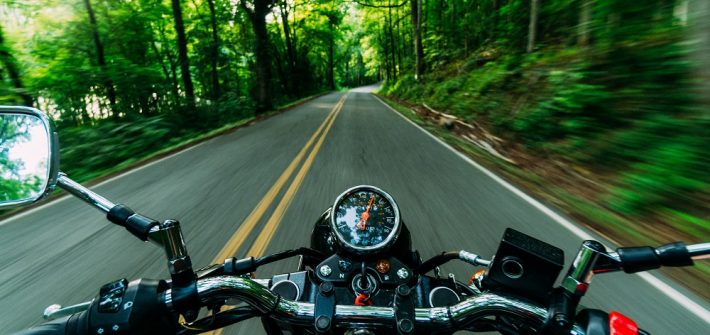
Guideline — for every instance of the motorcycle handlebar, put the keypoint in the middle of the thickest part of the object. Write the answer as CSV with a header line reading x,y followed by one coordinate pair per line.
x,y
456,317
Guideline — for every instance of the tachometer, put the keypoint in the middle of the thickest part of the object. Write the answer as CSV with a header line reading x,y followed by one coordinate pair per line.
x,y
365,219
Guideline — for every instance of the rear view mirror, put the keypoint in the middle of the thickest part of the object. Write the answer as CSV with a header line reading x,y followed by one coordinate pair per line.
x,y
28,159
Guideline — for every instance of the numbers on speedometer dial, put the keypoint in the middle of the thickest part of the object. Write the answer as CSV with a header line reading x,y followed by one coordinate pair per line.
x,y
365,218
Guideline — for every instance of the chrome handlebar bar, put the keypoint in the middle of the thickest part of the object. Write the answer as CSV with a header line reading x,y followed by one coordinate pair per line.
x,y
456,317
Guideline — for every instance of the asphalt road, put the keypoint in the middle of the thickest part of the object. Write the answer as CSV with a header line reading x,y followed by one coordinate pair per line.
x,y
63,252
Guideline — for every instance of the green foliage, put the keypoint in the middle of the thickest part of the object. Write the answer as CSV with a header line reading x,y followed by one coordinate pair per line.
x,y
575,108
624,103
87,150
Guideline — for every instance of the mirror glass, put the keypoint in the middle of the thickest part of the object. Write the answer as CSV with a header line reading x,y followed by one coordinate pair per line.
x,y
24,158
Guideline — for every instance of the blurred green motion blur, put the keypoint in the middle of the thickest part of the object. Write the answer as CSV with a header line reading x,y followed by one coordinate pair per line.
x,y
616,90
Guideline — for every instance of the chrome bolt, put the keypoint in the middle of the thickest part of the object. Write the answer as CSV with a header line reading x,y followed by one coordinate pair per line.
x,y
100,331
325,270
402,273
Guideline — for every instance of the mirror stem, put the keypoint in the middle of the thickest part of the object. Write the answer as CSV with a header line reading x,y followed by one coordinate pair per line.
x,y
84,193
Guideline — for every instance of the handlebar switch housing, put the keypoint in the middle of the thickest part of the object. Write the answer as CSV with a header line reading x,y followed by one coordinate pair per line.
x,y
138,312
111,296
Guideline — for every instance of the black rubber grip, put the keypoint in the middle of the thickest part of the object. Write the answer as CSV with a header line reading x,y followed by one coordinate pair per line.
x,y
76,324
674,254
637,259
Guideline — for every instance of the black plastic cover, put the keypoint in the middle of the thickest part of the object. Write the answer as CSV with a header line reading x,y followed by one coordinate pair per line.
x,y
137,224
233,266
119,214
524,265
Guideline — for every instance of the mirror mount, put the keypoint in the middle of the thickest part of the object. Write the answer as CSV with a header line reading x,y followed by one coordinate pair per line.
x,y
30,171
167,235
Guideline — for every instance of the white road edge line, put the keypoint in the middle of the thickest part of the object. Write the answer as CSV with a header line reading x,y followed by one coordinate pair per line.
x,y
666,289
126,173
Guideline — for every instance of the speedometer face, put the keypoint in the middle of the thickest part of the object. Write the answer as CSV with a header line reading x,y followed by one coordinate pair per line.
x,y
365,218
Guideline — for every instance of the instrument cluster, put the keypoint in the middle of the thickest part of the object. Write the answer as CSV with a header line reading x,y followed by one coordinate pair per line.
x,y
365,220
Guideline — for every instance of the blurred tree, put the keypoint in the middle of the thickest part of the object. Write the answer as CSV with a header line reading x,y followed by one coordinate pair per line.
x,y
292,86
585,21
256,11
532,30
214,52
9,65
416,14
182,53
101,59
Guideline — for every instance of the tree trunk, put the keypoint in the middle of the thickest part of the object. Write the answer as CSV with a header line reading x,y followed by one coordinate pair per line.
x,y
385,47
496,15
393,46
257,16
532,29
215,52
290,84
417,32
173,70
361,69
585,22
182,53
170,80
400,37
100,58
283,78
287,36
331,61
8,62
699,34
331,50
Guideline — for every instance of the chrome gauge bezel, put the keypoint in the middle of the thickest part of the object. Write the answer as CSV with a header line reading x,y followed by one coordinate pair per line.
x,y
384,245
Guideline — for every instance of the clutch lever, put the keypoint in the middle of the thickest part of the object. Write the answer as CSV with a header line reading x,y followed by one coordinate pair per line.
x,y
57,311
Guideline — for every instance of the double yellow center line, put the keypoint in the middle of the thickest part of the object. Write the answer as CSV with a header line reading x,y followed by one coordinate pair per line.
x,y
262,241
267,232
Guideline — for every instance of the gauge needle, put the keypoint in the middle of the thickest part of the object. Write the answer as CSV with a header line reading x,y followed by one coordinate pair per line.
x,y
365,215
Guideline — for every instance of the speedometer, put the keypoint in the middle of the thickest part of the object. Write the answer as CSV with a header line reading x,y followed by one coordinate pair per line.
x,y
365,219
